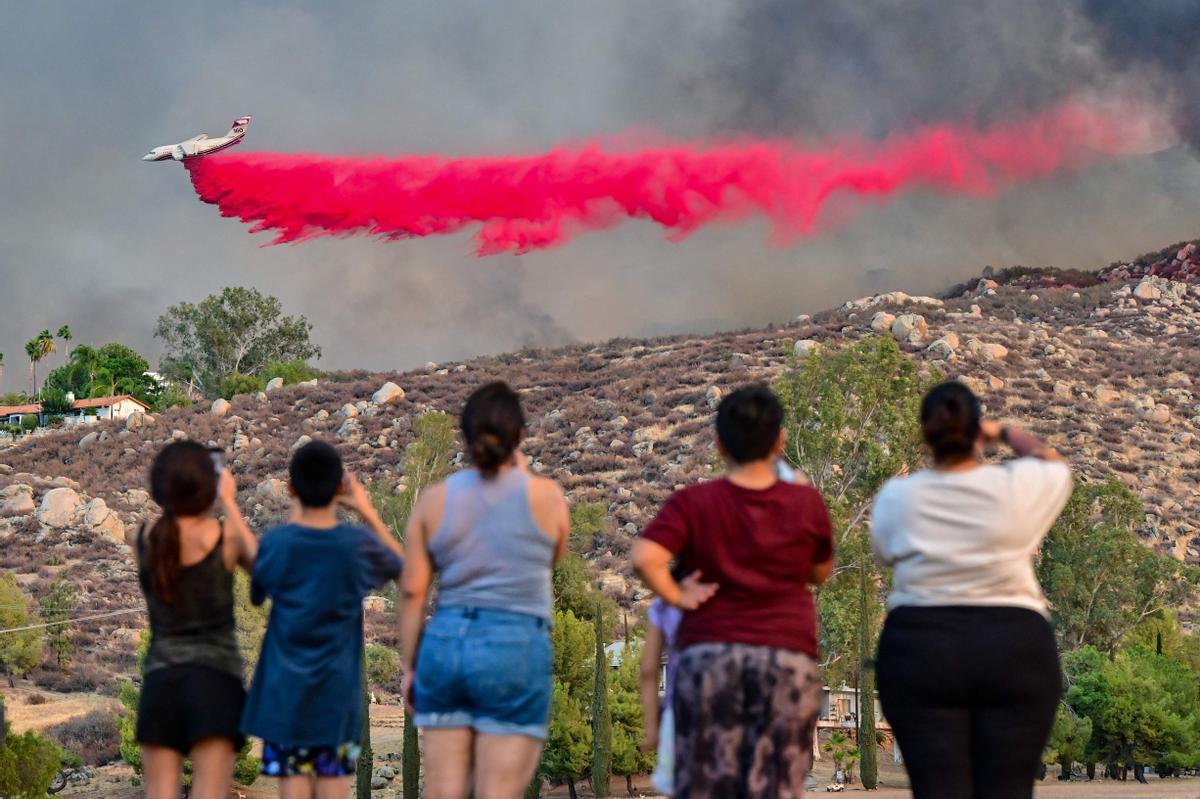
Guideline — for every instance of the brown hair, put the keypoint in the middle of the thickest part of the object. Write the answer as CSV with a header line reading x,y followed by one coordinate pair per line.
x,y
492,424
183,481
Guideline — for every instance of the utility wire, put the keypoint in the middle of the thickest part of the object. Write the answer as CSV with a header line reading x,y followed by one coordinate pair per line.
x,y
73,621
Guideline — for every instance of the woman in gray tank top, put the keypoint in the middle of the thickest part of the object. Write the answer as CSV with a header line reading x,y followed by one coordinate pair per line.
x,y
480,681
192,691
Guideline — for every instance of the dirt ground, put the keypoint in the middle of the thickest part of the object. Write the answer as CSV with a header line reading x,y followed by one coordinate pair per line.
x,y
113,782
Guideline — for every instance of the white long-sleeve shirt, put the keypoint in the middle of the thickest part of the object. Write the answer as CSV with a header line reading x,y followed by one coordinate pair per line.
x,y
969,537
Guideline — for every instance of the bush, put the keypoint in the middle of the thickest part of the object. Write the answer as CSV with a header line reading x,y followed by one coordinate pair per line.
x,y
28,764
82,679
54,401
295,371
95,737
35,699
241,384
29,422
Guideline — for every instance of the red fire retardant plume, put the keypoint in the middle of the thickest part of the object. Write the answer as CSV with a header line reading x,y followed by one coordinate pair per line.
x,y
530,202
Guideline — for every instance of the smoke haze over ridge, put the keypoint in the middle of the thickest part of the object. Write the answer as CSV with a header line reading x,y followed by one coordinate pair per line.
x,y
92,236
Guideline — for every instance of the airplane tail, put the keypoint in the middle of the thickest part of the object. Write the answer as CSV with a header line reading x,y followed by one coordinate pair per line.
x,y
238,128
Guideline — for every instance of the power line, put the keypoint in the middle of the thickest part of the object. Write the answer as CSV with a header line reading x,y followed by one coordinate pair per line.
x,y
72,621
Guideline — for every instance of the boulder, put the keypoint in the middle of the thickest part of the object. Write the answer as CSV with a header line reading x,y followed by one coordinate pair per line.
x,y
18,505
713,396
301,441
274,384
652,433
351,431
102,520
348,410
89,439
60,507
881,322
375,604
16,489
136,421
1107,396
942,350
220,407
987,351
910,328
272,488
804,348
1147,290
388,392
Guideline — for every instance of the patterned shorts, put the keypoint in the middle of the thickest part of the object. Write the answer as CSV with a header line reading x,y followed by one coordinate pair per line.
x,y
310,761
744,721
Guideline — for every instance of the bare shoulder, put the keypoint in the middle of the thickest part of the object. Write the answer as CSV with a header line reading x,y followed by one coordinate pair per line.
x,y
545,490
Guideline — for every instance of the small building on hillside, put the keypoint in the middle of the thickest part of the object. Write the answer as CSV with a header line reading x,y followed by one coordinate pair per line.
x,y
83,411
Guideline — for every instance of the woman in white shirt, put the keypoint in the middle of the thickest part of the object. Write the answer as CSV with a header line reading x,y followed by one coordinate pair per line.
x,y
968,667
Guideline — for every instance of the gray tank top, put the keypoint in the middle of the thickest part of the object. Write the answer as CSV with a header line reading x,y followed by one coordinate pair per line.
x,y
489,550
198,628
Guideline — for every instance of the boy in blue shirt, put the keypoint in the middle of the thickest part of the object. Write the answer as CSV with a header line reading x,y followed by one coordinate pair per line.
x,y
305,701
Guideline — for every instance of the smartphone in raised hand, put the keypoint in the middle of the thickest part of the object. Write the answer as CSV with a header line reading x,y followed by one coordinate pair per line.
x,y
218,458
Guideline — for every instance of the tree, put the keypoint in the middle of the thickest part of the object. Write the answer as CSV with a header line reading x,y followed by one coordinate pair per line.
x,y
28,764
1101,580
628,726
852,418
56,608
601,716
104,371
55,402
366,757
588,520
19,651
869,766
238,331
238,383
1068,740
381,663
34,353
294,371
2,369
567,755
843,751
64,333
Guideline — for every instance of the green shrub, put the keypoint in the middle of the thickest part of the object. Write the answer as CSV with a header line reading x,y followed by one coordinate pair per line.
x,y
241,384
29,422
28,764
292,372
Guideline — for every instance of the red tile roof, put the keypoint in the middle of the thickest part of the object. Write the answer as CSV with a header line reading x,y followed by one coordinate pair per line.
x,y
94,402
9,410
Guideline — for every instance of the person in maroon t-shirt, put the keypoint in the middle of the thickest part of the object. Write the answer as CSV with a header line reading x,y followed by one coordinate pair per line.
x,y
747,687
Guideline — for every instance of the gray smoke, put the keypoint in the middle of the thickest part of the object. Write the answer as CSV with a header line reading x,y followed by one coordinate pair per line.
x,y
91,236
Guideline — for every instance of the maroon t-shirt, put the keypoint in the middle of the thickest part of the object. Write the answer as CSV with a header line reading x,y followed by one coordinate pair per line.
x,y
759,547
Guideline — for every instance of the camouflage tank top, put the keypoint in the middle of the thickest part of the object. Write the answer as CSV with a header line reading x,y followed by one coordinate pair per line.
x,y
198,628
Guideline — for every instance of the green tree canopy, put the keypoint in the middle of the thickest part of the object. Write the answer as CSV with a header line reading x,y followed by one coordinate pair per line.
x,y
1101,580
28,764
238,331
104,371
852,418
19,651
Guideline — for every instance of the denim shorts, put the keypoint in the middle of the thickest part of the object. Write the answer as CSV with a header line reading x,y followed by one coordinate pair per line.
x,y
485,669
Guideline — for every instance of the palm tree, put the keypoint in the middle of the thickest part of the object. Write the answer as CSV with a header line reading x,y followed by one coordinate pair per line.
x,y
1,368
37,350
34,352
64,333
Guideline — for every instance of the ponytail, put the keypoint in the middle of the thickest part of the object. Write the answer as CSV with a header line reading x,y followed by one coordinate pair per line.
x,y
164,557
183,482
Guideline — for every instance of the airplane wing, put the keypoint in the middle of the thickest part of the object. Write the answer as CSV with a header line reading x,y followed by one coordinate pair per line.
x,y
201,137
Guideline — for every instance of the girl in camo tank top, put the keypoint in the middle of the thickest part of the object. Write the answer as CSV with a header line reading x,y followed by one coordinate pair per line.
x,y
192,692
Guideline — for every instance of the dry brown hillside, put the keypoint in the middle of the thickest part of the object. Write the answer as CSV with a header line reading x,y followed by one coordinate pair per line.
x,y
1105,372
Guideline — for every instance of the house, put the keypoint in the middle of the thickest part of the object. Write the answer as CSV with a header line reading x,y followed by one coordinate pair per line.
x,y
839,707
82,411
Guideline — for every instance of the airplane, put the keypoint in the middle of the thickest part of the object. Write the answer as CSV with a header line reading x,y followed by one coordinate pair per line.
x,y
201,145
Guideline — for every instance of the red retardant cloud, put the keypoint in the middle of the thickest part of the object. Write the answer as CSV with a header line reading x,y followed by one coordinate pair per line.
x,y
529,202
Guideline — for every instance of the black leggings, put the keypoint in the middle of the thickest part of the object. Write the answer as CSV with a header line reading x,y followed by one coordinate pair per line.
x,y
971,693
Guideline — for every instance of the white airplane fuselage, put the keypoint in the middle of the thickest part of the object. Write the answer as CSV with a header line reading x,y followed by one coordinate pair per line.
x,y
201,145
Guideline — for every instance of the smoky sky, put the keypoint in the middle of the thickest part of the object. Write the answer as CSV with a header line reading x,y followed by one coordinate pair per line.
x,y
93,237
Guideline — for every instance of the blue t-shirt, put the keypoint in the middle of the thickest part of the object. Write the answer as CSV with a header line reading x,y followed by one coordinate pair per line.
x,y
307,688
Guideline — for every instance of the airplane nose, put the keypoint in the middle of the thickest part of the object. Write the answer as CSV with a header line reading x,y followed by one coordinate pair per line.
x,y
148,157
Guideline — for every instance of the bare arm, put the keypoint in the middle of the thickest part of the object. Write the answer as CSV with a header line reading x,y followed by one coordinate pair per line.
x,y
550,511
651,664
1023,443
358,500
652,562
820,572
414,586
241,547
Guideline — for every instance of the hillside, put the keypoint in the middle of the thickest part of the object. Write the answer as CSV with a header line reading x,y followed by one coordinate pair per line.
x,y
1105,372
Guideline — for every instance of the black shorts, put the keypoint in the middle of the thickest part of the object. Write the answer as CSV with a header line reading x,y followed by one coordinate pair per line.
x,y
181,705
